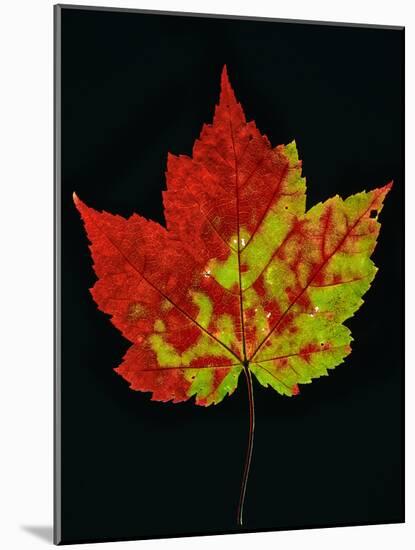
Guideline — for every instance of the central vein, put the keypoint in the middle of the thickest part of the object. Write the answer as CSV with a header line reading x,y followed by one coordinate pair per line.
x,y
244,358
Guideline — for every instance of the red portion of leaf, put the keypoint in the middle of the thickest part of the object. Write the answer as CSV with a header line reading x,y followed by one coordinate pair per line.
x,y
233,179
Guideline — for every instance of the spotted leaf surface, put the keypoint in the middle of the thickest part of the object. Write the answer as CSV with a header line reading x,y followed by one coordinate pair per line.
x,y
242,277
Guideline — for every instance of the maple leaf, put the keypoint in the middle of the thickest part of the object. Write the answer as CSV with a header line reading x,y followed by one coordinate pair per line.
x,y
243,279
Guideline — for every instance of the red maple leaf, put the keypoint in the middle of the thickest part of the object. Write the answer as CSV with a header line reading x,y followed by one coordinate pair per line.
x,y
243,279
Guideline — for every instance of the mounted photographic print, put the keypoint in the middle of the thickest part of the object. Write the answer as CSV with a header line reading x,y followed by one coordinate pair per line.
x,y
229,274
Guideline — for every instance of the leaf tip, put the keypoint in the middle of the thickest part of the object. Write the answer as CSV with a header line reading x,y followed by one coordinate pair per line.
x,y
383,191
225,82
80,206
77,201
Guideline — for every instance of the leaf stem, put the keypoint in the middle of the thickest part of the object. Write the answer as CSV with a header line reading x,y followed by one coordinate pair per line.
x,y
248,458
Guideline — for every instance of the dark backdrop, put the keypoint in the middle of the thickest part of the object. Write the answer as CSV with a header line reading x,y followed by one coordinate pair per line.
x,y
135,86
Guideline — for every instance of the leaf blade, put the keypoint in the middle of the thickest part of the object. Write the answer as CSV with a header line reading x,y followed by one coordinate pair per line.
x,y
242,276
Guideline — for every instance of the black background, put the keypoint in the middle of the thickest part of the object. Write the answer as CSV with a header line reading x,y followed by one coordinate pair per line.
x,y
135,86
